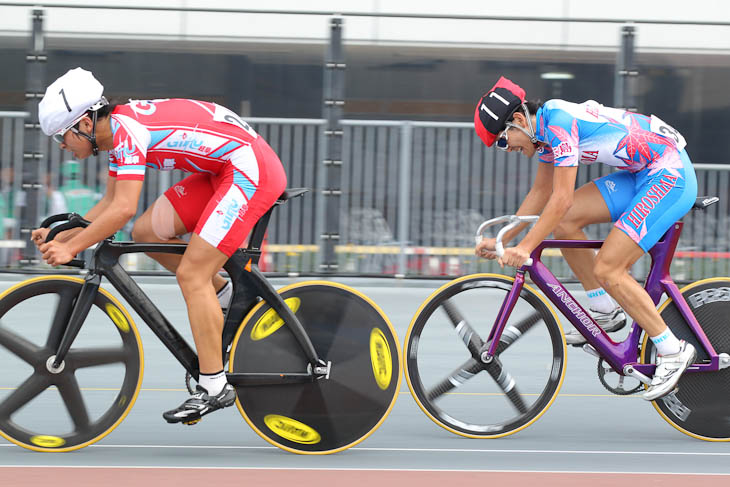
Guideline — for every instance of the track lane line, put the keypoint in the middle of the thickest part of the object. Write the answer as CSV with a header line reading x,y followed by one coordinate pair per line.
x,y
424,450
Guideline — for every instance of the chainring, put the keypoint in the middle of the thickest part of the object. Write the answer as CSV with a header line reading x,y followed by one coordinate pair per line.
x,y
620,389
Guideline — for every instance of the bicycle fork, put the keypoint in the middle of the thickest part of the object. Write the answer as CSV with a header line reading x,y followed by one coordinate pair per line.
x,y
485,355
489,349
81,308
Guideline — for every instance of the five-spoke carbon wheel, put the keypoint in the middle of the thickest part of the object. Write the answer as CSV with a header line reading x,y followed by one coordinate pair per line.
x,y
80,402
701,406
449,379
331,413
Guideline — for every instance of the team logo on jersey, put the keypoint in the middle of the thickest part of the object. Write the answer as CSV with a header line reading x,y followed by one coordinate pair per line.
x,y
124,152
192,142
564,149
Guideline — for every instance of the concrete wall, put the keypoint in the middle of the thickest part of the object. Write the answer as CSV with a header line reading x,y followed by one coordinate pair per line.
x,y
186,29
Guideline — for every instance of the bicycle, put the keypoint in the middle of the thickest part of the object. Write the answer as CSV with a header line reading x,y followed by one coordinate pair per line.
x,y
316,366
485,318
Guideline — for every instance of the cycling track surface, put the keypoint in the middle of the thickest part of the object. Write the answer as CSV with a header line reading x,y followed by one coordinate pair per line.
x,y
587,437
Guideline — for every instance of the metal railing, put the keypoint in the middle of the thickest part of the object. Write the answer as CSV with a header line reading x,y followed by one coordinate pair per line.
x,y
412,195
11,194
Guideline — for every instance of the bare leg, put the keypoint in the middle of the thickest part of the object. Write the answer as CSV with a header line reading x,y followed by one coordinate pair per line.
x,y
143,232
588,207
613,262
199,264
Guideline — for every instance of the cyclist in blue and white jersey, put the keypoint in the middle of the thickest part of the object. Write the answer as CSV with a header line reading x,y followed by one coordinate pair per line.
x,y
655,187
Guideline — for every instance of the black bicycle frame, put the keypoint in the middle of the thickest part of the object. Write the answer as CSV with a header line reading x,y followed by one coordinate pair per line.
x,y
249,285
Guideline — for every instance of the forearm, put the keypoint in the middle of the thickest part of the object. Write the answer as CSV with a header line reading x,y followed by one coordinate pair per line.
x,y
105,224
553,212
68,234
533,204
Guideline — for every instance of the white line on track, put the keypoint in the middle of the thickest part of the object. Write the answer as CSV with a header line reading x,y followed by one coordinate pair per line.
x,y
142,467
430,450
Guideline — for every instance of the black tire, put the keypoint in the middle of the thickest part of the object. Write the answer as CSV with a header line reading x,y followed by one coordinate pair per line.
x,y
703,410
441,355
327,415
101,375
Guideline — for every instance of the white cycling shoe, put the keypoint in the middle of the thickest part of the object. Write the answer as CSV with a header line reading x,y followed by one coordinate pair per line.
x,y
668,371
611,321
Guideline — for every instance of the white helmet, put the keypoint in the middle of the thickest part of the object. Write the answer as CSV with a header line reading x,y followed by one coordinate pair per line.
x,y
67,100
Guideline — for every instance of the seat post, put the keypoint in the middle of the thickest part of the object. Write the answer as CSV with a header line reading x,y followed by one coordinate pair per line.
x,y
259,230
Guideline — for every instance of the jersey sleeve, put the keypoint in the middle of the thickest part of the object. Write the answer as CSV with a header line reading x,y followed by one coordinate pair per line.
x,y
563,138
127,161
112,165
545,154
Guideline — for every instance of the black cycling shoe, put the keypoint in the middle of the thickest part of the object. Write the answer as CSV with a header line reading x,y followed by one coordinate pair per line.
x,y
200,404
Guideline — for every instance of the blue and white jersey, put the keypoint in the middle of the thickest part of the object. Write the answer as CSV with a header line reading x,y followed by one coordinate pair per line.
x,y
590,132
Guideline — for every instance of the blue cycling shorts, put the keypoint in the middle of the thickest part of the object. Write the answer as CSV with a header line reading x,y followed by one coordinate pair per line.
x,y
646,203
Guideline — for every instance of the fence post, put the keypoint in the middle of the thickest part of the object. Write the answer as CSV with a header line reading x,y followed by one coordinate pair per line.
x,y
33,139
334,101
404,193
626,72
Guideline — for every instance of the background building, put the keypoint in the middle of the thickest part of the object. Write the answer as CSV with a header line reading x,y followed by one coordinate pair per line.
x,y
417,186
432,63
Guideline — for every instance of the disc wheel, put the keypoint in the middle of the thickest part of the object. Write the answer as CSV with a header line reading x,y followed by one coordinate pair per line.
x,y
329,414
700,407
97,383
451,383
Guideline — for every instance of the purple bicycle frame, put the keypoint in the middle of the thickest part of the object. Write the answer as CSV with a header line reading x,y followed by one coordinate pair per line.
x,y
616,354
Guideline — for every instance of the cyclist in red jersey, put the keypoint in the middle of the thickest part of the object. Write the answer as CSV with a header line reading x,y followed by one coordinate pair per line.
x,y
236,178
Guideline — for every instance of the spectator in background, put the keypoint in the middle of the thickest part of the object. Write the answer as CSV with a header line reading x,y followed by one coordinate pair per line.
x,y
77,197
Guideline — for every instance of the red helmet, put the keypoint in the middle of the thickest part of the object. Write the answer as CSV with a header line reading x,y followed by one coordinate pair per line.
x,y
495,108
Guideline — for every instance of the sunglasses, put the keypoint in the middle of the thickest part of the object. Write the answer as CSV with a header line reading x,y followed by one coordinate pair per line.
x,y
58,136
503,140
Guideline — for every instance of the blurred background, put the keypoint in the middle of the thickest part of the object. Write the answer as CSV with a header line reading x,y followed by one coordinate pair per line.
x,y
369,104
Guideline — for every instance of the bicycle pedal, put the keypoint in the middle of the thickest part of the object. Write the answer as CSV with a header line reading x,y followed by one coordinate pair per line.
x,y
192,422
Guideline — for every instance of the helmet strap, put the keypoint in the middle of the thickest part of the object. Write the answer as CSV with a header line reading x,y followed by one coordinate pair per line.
x,y
91,137
531,132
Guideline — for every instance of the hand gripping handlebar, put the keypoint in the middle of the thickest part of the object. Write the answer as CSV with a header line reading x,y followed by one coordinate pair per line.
x,y
512,221
73,220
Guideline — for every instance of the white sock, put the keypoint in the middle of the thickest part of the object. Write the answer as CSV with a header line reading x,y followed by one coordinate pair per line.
x,y
225,294
213,383
599,300
666,343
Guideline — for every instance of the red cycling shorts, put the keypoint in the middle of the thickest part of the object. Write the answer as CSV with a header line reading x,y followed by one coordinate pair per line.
x,y
223,208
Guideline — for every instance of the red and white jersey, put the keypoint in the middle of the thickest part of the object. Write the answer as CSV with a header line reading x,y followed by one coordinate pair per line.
x,y
191,135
